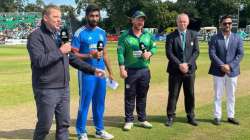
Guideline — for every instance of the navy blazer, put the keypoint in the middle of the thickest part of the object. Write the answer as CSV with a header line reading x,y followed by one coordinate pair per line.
x,y
219,55
177,55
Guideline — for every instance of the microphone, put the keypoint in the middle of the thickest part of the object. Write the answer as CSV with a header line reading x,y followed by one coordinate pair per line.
x,y
142,47
99,47
64,34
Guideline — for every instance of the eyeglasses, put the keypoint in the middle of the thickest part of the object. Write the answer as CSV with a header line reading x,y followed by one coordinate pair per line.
x,y
227,23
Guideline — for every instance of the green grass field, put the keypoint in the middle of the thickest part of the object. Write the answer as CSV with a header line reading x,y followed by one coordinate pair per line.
x,y
15,90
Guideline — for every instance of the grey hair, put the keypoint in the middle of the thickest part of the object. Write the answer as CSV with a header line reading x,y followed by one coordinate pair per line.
x,y
180,15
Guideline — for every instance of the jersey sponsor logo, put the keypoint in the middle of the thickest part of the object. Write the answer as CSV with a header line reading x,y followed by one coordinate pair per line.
x,y
137,54
92,46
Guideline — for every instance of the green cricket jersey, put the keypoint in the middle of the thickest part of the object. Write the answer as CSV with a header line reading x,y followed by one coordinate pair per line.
x,y
128,50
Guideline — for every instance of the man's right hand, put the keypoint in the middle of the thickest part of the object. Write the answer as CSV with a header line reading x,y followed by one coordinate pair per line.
x,y
225,68
183,68
65,48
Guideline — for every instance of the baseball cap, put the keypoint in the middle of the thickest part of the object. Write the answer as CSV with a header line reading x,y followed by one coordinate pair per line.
x,y
138,14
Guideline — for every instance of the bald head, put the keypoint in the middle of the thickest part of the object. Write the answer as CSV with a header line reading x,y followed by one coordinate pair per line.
x,y
182,21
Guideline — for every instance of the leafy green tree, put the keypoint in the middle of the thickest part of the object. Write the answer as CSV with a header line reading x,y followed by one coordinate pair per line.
x,y
32,8
120,11
12,5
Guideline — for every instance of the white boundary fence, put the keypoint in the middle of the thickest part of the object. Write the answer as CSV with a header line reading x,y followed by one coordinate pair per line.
x,y
15,41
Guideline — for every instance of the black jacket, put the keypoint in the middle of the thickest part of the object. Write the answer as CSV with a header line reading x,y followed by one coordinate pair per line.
x,y
50,68
176,55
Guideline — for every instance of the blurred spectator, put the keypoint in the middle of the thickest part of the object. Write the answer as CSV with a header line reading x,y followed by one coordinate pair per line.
x,y
18,25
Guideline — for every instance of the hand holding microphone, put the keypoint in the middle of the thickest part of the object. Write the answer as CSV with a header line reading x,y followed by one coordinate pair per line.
x,y
98,52
99,49
145,54
65,47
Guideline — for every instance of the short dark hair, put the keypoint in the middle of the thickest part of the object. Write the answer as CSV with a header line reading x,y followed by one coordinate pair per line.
x,y
224,17
92,8
46,10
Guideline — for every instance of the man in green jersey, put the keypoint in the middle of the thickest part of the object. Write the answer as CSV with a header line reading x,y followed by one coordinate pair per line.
x,y
135,47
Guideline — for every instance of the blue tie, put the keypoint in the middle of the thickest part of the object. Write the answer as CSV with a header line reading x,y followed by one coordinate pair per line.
x,y
183,40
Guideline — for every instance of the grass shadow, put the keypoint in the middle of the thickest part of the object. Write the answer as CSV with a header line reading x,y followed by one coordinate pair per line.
x,y
118,121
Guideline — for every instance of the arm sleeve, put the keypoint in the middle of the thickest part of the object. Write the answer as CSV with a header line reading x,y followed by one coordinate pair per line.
x,y
105,39
39,57
196,51
121,50
76,43
169,51
153,47
77,63
239,55
212,52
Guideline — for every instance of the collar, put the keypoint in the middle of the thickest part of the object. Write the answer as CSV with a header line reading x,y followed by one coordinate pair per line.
x,y
90,28
185,31
47,28
226,36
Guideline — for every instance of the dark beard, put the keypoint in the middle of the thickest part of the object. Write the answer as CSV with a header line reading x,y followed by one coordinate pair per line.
x,y
92,23
225,30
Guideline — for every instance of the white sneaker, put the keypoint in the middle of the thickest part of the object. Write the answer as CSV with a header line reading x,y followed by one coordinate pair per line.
x,y
145,124
103,135
83,136
128,126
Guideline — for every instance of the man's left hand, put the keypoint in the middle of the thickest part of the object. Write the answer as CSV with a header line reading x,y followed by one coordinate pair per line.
x,y
146,55
99,73
111,77
226,68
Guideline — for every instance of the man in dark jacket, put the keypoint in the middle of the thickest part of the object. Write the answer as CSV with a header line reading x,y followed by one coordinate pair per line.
x,y
50,61
182,50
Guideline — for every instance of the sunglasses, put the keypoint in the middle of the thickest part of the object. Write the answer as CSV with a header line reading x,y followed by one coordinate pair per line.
x,y
227,23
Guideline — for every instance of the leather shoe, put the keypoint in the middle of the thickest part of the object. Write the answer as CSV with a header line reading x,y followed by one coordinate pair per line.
x,y
169,122
193,122
216,121
233,121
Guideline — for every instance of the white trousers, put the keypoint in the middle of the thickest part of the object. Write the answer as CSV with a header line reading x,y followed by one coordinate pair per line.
x,y
221,83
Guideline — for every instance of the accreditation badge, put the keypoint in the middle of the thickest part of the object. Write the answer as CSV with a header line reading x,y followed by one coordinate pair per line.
x,y
93,46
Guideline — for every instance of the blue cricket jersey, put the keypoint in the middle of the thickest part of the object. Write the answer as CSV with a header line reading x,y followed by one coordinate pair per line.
x,y
85,39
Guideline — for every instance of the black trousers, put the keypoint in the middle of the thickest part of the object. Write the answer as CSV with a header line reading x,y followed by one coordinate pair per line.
x,y
175,82
136,89
50,102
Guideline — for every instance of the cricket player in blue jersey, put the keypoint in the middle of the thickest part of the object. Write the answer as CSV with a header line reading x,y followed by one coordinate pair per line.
x,y
89,43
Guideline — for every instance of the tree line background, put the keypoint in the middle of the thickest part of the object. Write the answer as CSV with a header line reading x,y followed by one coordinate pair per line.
x,y
160,14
